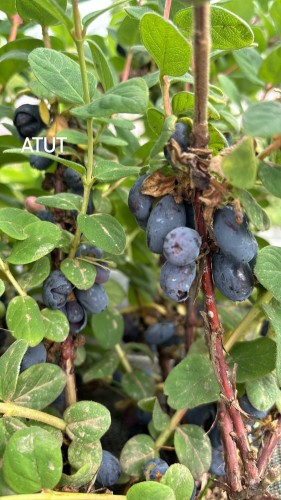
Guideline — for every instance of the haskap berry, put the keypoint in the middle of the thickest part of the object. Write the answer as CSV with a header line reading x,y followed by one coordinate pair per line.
x,y
140,204
181,136
109,471
165,216
94,300
154,469
28,121
55,290
39,162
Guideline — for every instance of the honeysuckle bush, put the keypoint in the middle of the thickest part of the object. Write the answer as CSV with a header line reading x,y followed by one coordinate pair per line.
x,y
115,101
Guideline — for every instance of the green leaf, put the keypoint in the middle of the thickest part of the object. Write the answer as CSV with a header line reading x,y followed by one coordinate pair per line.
x,y
54,8
116,293
128,97
59,74
256,214
68,163
138,12
263,392
103,368
101,65
193,449
136,452
217,141
87,20
73,136
78,479
228,31
180,479
32,461
275,13
160,419
167,130
13,222
151,490
155,120
110,171
80,454
273,312
82,274
249,61
263,119
240,167
24,320
254,358
270,69
35,11
42,238
64,201
103,231
108,327
36,275
191,383
138,385
2,287
39,386
86,421
267,269
271,178
183,102
10,363
56,326
168,47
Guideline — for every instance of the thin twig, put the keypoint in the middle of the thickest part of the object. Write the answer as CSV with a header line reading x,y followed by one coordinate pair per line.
x,y
16,22
231,462
167,9
46,37
271,440
127,69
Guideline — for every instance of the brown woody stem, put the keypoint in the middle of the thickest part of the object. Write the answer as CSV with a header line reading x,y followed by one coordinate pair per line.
x,y
271,440
200,137
231,461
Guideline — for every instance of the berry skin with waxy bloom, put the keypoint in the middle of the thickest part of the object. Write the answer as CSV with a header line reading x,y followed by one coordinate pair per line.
x,y
55,290
27,121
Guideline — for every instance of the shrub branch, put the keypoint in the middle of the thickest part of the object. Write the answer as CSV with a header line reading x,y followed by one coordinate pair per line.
x,y
200,138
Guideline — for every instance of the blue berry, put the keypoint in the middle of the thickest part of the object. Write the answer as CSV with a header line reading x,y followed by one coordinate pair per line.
x,y
140,204
234,240
45,215
55,290
250,409
94,300
159,333
176,281
233,279
89,251
34,356
73,179
181,136
110,469
39,162
154,469
182,246
164,217
27,120
217,465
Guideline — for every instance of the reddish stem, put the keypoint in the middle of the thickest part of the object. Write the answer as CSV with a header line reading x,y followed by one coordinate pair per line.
x,y
16,22
232,467
271,440
167,9
127,69
217,355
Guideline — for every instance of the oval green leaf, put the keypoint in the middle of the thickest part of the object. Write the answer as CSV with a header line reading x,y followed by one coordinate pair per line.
x,y
193,449
136,452
24,320
103,231
32,461
82,274
108,327
267,269
56,326
86,421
